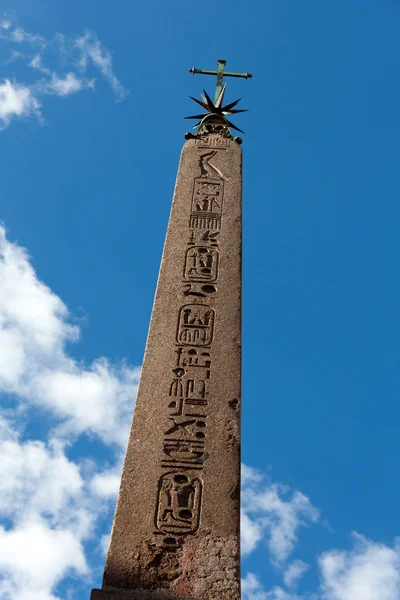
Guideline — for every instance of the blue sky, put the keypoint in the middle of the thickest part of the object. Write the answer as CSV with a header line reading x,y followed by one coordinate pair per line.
x,y
92,100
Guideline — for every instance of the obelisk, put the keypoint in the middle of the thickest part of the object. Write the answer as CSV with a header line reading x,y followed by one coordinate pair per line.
x,y
175,533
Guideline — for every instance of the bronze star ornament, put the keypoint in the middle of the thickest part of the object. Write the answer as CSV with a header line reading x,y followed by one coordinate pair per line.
x,y
216,112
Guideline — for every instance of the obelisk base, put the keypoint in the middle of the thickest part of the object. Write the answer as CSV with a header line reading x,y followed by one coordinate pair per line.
x,y
133,595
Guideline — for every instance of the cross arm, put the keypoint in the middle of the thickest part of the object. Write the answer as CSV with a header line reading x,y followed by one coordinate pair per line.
x,y
193,70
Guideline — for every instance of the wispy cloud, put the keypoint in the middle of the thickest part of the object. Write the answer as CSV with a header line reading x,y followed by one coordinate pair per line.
x,y
79,58
271,511
11,31
91,50
294,573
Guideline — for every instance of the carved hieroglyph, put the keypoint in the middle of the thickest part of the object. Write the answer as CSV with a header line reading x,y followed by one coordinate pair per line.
x,y
176,526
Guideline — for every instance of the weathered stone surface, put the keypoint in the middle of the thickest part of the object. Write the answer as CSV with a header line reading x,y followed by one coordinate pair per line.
x,y
132,595
176,526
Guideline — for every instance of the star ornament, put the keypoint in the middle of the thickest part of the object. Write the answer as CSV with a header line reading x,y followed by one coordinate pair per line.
x,y
217,109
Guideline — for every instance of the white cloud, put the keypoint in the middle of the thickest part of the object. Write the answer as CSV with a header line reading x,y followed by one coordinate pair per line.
x,y
278,593
252,589
106,485
73,53
47,501
5,24
16,101
34,364
250,476
270,509
27,305
294,573
34,557
36,479
251,532
104,543
370,571
108,394
64,86
20,36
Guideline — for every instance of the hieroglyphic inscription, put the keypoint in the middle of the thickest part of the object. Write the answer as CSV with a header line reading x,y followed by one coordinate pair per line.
x,y
207,203
207,196
179,503
213,142
201,264
196,325
184,441
207,237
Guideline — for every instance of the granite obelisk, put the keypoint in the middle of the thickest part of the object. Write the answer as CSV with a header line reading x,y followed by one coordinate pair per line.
x,y
176,528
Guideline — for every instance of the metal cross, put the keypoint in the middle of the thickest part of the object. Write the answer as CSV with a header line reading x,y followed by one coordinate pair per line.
x,y
220,75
